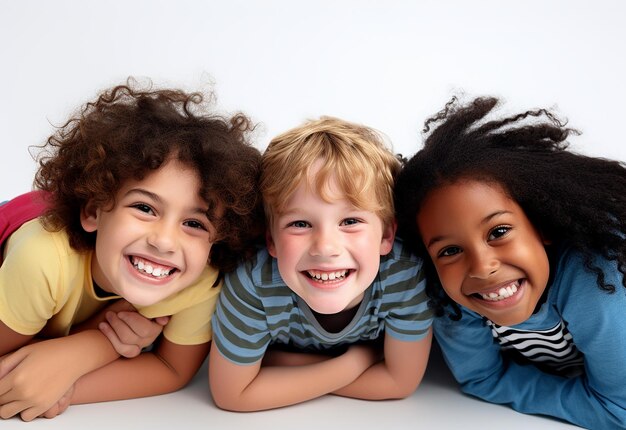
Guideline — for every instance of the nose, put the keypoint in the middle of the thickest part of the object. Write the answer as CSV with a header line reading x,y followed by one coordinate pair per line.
x,y
163,236
482,263
325,243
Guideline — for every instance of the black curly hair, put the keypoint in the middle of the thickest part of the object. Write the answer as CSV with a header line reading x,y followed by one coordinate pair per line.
x,y
129,131
571,198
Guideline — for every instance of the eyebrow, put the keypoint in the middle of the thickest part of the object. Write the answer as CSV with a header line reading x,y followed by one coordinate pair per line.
x,y
485,220
158,199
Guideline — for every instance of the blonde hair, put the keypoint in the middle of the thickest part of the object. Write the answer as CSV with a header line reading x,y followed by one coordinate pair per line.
x,y
363,166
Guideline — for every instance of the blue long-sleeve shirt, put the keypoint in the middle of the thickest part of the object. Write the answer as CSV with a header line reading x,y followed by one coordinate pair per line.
x,y
596,320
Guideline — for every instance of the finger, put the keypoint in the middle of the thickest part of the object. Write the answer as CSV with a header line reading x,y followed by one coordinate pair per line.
x,y
125,306
136,322
10,362
58,408
64,403
52,412
6,387
11,409
162,321
31,413
143,327
123,330
128,351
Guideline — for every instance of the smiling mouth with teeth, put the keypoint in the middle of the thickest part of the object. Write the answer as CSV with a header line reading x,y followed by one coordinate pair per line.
x,y
502,293
150,268
333,276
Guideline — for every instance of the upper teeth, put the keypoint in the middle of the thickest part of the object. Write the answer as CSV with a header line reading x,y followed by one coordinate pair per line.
x,y
503,293
157,272
327,276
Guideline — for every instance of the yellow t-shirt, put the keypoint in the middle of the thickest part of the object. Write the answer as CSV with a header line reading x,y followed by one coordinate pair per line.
x,y
46,287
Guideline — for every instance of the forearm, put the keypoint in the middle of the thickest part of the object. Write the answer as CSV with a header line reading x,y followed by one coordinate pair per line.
x,y
151,373
526,388
37,376
378,383
395,377
277,386
301,383
89,350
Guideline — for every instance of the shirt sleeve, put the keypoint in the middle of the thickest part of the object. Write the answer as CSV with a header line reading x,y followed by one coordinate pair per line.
x,y
30,283
596,320
240,329
192,325
409,316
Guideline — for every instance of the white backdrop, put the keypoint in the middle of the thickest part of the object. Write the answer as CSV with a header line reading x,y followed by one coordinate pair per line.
x,y
386,64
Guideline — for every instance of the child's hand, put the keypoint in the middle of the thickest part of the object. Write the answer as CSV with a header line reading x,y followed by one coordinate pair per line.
x,y
61,406
33,378
129,331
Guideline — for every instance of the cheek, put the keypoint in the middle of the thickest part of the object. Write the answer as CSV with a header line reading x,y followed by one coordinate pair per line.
x,y
450,279
535,254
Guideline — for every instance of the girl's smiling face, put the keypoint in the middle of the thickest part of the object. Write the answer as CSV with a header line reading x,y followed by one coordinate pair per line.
x,y
156,240
488,255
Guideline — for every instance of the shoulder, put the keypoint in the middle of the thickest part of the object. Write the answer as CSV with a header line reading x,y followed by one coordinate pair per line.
x,y
33,231
51,247
575,287
40,272
400,259
572,271
260,271
401,268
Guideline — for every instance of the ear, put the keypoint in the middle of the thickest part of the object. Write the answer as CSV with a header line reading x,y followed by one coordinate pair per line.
x,y
389,235
89,218
269,242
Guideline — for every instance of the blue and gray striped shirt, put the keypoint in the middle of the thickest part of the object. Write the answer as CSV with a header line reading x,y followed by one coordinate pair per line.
x,y
257,309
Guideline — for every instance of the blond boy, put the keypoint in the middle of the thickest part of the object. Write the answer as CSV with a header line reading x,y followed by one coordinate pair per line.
x,y
332,282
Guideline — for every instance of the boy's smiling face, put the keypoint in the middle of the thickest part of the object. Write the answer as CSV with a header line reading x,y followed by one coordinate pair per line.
x,y
488,255
328,253
156,240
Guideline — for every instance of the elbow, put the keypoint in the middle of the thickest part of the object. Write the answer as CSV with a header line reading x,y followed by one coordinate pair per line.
x,y
408,386
229,405
405,391
225,405
225,401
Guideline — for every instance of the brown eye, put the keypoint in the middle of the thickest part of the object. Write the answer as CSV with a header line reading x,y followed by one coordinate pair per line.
x,y
143,208
449,251
498,232
195,224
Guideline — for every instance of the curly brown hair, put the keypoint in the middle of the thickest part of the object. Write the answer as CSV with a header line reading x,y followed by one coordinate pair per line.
x,y
127,133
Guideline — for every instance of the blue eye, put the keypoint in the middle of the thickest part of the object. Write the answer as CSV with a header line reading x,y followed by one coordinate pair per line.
x,y
449,251
350,221
299,224
499,232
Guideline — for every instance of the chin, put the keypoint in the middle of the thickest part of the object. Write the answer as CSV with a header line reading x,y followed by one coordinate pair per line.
x,y
327,309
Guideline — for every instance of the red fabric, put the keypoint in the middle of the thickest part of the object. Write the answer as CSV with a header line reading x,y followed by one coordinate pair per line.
x,y
17,211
